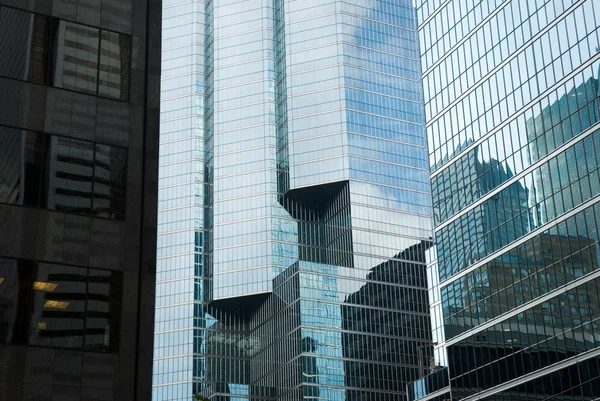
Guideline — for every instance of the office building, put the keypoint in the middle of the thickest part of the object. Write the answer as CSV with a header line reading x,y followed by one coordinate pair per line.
x,y
79,120
511,96
294,201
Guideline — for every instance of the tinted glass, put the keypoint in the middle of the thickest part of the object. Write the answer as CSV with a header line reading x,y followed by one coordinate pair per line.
x,y
46,50
58,300
70,175
11,172
21,167
115,56
59,173
75,56
103,312
109,181
59,306
9,300
23,45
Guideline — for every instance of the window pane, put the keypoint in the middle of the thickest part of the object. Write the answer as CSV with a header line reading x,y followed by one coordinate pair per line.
x,y
11,144
21,167
103,312
58,305
115,56
23,51
109,181
76,56
9,300
70,177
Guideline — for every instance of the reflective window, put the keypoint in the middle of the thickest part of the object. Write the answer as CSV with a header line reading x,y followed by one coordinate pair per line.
x,y
75,58
64,54
63,174
110,164
23,45
115,65
70,175
103,309
21,166
59,306
58,300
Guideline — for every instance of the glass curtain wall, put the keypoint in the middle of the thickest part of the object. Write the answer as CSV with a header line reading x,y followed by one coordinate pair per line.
x,y
294,207
511,98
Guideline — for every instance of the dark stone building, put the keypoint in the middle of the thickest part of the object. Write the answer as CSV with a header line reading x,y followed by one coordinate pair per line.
x,y
79,112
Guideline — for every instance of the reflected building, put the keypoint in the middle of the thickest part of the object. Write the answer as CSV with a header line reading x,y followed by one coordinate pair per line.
x,y
78,198
514,135
294,202
376,333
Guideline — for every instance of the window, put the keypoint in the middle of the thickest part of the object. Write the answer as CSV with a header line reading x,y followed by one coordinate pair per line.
x,y
115,56
57,296
59,306
64,54
103,311
21,164
75,58
63,174
23,45
70,175
109,182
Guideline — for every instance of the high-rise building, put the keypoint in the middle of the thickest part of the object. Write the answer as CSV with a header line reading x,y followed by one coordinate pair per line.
x,y
294,201
511,92
79,123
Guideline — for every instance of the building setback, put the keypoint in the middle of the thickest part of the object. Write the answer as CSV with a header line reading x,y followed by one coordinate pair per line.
x,y
79,85
512,105
294,201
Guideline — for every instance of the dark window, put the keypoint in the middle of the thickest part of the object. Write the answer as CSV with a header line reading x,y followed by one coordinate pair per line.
x,y
115,56
59,306
21,168
64,54
70,175
75,56
62,174
109,181
103,312
11,170
9,300
58,300
23,45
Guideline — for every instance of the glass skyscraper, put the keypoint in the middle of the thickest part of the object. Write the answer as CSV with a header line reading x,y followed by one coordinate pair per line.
x,y
294,204
511,96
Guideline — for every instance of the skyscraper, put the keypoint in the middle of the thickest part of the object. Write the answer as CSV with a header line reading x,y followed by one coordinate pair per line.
x,y
512,104
79,85
294,204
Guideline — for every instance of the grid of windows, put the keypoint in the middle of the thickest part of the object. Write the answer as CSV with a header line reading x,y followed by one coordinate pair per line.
x,y
512,106
557,329
556,187
575,111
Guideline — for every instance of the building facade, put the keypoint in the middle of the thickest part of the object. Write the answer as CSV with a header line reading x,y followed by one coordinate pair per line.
x,y
511,93
294,201
79,121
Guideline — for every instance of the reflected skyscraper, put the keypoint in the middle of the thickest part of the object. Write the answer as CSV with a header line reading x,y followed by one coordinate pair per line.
x,y
294,206
512,104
